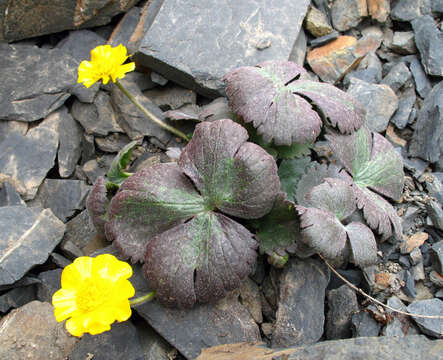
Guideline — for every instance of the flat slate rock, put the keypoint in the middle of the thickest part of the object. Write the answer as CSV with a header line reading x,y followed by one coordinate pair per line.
x,y
407,10
17,297
31,332
300,316
342,304
35,81
427,141
364,348
212,37
79,230
431,327
9,196
50,282
8,127
63,197
27,159
191,330
34,234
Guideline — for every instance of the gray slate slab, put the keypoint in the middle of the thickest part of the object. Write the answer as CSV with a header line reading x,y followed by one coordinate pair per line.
x,y
7,127
300,316
50,283
196,42
427,141
431,327
34,234
422,83
79,230
342,304
17,297
35,81
406,102
407,10
9,196
27,159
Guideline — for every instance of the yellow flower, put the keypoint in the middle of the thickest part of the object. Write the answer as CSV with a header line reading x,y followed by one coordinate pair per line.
x,y
106,63
94,293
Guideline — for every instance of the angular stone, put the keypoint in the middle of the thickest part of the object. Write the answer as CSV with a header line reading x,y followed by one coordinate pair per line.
x,y
437,250
342,304
397,76
436,278
392,136
56,16
406,102
35,234
134,123
250,298
382,347
379,100
437,6
98,118
17,297
79,45
121,342
300,315
154,346
324,39
31,332
431,327
215,36
427,141
112,143
379,9
403,43
298,53
63,197
435,213
317,23
9,196
422,83
9,126
369,70
59,260
125,28
347,14
435,188
50,283
35,81
27,159
413,241
364,325
407,10
93,170
429,41
171,97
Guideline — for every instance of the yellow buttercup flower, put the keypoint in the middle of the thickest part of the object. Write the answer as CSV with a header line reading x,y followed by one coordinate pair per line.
x,y
94,294
106,63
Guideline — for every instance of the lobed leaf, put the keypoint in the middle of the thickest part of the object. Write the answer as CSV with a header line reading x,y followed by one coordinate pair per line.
x,y
97,204
362,244
290,173
116,174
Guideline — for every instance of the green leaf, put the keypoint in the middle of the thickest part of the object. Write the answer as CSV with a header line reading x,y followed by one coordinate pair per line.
x,y
116,174
290,172
293,151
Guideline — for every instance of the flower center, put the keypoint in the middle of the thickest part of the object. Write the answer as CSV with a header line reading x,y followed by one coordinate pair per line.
x,y
92,295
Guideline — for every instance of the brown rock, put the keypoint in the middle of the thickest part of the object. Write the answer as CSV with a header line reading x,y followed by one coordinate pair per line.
x,y
393,137
379,9
383,280
412,242
317,23
31,332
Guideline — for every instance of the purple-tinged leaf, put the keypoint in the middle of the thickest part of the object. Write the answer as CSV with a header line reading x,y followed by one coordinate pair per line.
x,y
273,95
149,202
212,255
363,245
335,196
322,231
97,204
234,176
314,176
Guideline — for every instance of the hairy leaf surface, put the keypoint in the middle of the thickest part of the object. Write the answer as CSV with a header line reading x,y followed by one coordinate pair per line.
x,y
363,245
97,204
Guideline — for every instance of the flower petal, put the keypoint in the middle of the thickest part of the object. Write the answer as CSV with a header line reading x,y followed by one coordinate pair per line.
x,y
108,267
64,304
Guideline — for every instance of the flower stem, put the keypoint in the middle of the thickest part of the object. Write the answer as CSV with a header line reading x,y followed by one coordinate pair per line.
x,y
151,115
142,299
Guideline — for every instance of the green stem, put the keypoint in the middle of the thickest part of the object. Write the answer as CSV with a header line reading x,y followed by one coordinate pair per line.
x,y
151,115
142,299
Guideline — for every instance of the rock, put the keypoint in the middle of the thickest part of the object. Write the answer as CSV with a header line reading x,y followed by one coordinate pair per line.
x,y
317,23
158,79
8,127
112,143
437,6
342,304
435,188
142,80
59,260
408,218
392,136
10,197
324,39
300,314
70,250
93,170
17,297
416,256
422,83
134,123
88,148
439,293
27,159
98,118
369,70
298,52
407,10
364,325
397,76
34,235
79,44
379,9
436,278
435,213
35,81
347,14
411,347
214,37
50,283
437,250
50,18
406,101
125,28
431,327
31,332
354,276
413,241
171,97
403,43
418,272
63,197
120,343
379,100
153,345
333,61
409,288
250,298
427,141
429,41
